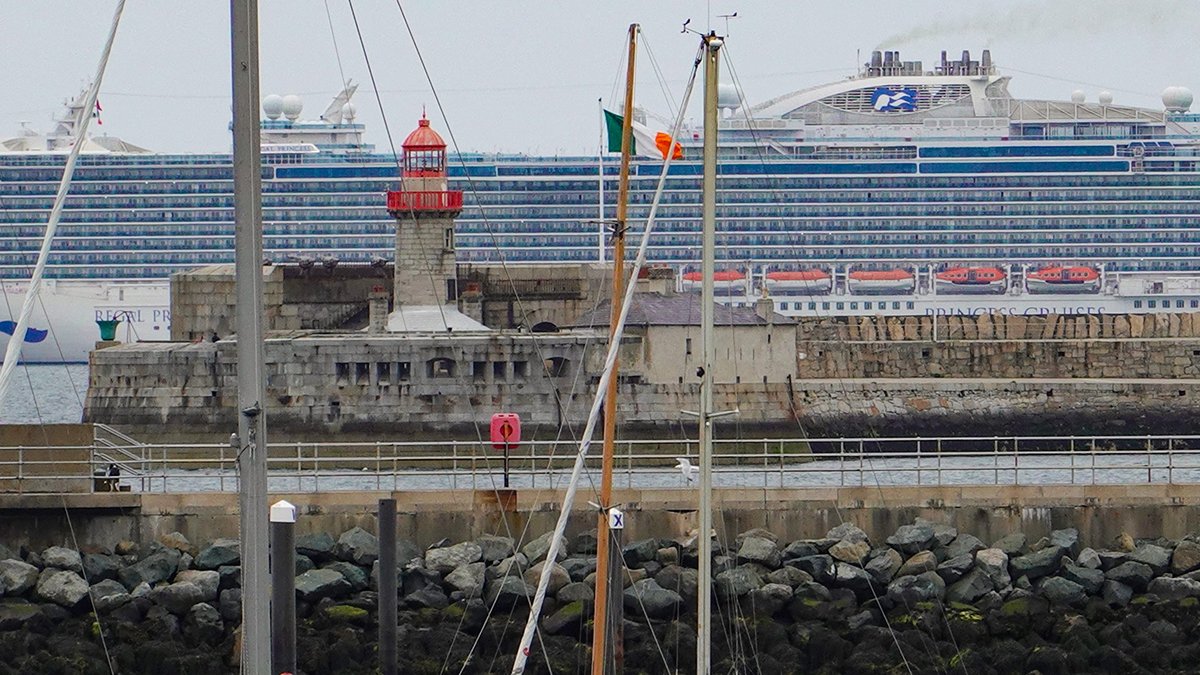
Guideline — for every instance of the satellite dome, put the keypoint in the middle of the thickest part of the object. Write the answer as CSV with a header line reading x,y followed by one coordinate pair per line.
x,y
728,96
273,106
1106,98
1077,96
292,105
349,111
1177,99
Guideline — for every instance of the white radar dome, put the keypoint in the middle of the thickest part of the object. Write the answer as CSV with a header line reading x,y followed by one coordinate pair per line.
x,y
728,96
1077,96
1177,99
273,106
1106,98
349,112
292,105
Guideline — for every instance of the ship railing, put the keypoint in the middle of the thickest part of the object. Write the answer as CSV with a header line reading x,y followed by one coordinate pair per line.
x,y
792,463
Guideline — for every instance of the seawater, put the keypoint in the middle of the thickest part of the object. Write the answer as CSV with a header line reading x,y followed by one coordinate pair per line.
x,y
46,394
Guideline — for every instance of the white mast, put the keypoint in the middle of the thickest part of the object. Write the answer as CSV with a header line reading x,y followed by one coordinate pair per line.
x,y
707,269
13,353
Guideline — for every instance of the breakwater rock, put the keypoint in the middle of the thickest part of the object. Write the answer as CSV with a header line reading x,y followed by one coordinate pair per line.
x,y
927,599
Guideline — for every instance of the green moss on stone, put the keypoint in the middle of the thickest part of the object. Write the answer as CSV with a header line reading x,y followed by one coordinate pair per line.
x,y
1018,607
346,614
1140,600
1189,602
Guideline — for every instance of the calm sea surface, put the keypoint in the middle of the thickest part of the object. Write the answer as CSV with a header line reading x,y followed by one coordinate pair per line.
x,y
56,396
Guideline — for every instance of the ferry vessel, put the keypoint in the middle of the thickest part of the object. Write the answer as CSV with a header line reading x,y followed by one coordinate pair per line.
x,y
882,193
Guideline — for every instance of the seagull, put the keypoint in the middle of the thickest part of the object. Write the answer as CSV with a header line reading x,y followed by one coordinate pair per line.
x,y
685,467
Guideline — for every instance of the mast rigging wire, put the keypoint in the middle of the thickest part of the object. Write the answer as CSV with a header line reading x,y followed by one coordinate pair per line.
x,y
13,353
568,499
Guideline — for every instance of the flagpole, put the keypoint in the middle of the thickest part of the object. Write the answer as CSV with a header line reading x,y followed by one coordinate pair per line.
x,y
600,164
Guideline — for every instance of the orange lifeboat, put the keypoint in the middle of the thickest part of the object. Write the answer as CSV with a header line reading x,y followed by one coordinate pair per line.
x,y
881,282
1064,279
726,282
812,281
971,280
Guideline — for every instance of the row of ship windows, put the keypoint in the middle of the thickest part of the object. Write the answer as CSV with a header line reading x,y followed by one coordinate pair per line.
x,y
121,182
551,213
690,225
868,305
657,254
550,197
1148,240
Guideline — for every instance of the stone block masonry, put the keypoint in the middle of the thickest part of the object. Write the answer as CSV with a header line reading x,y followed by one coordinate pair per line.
x,y
996,581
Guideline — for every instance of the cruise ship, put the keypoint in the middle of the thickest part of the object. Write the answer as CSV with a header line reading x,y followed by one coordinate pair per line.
x,y
900,190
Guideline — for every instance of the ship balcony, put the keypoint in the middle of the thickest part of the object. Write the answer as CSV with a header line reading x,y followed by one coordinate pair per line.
x,y
402,202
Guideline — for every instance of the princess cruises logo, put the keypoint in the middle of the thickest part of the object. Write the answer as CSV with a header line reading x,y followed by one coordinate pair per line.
x,y
890,100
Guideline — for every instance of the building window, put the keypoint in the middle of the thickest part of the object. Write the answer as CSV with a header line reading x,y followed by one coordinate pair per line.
x,y
867,305
1137,304
557,366
362,373
479,370
341,374
687,346
841,305
854,305
520,369
403,371
1152,304
383,373
909,305
448,244
441,367
500,370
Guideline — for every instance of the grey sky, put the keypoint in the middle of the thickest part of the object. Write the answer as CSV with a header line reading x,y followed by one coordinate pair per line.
x,y
525,76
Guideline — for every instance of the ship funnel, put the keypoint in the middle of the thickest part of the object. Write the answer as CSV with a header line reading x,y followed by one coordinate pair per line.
x,y
876,59
986,61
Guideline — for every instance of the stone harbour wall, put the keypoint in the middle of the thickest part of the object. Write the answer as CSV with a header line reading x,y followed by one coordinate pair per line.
x,y
922,597
1001,346
952,375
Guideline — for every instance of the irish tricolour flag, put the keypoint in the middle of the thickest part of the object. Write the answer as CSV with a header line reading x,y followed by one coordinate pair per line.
x,y
644,139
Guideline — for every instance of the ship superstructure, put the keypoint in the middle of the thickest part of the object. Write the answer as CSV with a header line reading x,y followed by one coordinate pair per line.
x,y
901,190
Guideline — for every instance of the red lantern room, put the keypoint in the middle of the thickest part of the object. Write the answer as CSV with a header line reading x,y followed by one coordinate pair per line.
x,y
423,177
424,152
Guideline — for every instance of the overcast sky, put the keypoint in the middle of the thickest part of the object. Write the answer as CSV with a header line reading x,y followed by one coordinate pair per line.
x,y
526,76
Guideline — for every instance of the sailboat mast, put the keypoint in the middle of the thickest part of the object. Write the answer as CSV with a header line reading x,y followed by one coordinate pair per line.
x,y
248,256
707,269
605,630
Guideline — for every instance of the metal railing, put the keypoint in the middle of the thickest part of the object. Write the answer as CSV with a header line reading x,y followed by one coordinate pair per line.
x,y
748,463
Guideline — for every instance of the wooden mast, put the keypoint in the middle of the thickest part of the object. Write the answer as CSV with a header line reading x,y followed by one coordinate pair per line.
x,y
605,630
708,200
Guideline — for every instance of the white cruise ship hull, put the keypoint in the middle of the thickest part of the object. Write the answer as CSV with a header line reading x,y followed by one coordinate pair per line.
x,y
63,325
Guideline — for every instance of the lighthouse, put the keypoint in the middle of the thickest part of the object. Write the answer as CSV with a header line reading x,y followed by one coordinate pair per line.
x,y
424,209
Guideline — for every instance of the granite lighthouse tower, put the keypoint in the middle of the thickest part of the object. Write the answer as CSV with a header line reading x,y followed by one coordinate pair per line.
x,y
424,209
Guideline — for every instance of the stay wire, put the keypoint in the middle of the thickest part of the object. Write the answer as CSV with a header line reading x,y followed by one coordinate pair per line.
x,y
337,53
871,584
427,265
556,392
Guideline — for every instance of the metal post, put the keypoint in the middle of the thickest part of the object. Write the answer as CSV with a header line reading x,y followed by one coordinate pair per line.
x,y
387,587
252,427
708,267
506,464
283,587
